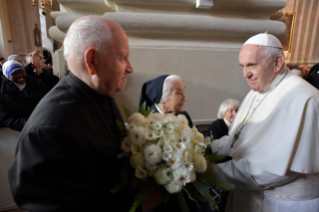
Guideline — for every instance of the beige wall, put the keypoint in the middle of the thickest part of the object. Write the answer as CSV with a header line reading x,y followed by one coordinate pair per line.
x,y
210,77
6,33
305,40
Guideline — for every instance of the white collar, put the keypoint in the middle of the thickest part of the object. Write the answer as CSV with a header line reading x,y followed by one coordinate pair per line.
x,y
159,110
275,81
227,123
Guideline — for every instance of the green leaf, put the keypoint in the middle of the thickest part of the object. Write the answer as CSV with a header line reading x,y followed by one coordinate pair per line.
x,y
182,202
145,111
121,128
211,136
203,191
190,197
123,154
127,111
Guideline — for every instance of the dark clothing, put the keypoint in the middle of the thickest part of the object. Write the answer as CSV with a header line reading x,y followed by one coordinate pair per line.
x,y
45,77
190,123
218,129
66,157
313,76
17,106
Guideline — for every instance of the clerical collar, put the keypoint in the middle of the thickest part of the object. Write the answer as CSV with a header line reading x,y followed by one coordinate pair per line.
x,y
227,123
275,81
159,110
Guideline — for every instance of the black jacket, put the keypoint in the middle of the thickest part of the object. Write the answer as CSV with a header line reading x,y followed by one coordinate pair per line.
x,y
313,76
17,106
66,157
218,129
45,77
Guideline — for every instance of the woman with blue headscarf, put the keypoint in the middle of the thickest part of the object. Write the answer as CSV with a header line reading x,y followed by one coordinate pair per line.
x,y
19,95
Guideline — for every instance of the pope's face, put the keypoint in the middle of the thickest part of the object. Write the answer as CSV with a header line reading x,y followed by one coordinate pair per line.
x,y
257,69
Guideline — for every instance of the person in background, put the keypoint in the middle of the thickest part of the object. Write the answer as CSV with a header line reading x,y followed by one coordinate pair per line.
x,y
2,60
36,70
296,70
17,58
66,158
226,114
19,95
313,76
165,94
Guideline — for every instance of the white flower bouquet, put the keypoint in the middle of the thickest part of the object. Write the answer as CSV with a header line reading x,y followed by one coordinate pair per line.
x,y
164,149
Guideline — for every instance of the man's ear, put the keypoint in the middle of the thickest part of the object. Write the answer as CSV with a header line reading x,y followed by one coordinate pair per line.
x,y
90,60
279,61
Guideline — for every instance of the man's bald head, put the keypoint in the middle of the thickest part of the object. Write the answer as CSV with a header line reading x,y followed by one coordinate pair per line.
x,y
88,32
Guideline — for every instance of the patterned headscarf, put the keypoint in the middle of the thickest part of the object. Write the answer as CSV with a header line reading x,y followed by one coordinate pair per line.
x,y
10,66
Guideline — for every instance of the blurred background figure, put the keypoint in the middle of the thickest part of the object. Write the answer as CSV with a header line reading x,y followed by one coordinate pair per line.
x,y
313,76
296,70
19,95
226,114
18,59
36,69
165,94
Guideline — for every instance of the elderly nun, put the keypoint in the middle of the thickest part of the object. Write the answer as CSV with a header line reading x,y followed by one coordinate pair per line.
x,y
226,114
19,95
165,94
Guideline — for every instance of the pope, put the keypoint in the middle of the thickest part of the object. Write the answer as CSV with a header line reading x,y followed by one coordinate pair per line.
x,y
274,139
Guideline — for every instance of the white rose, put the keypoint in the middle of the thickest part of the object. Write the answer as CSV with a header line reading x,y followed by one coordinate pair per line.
x,y
137,160
137,135
189,166
157,125
126,145
153,154
200,163
172,187
140,173
175,160
163,176
181,176
186,135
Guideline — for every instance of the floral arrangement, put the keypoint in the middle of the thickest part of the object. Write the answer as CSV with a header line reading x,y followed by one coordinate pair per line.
x,y
165,149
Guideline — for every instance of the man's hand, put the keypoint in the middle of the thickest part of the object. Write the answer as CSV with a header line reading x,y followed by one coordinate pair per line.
x,y
210,165
37,61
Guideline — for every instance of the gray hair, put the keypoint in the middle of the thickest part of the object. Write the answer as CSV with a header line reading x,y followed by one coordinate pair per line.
x,y
90,31
167,86
271,52
228,103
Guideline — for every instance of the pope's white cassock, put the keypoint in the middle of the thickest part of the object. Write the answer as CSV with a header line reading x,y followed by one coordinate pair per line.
x,y
275,164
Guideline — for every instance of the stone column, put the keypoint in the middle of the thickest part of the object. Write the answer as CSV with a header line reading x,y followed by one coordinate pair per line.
x,y
174,37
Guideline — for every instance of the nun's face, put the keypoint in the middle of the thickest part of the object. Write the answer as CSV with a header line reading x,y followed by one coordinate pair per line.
x,y
177,97
19,76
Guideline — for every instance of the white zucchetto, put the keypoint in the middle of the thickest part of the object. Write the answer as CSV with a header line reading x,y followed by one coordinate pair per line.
x,y
264,39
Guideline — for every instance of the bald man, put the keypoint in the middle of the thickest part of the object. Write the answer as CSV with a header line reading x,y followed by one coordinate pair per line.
x,y
274,138
66,154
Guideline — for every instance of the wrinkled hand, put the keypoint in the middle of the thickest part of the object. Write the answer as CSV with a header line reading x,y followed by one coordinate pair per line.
x,y
210,165
305,71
